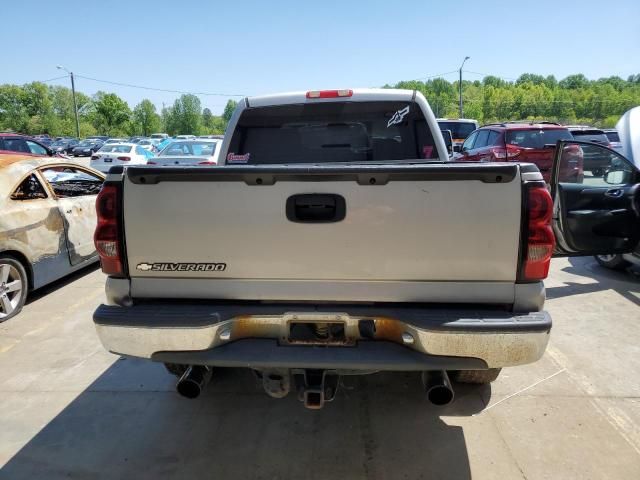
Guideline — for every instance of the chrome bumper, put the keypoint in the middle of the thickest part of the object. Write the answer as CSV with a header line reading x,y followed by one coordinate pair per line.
x,y
497,339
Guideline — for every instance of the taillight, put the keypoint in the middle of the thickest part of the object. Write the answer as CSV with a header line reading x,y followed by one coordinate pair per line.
x,y
151,162
124,159
540,238
107,234
206,163
329,93
502,153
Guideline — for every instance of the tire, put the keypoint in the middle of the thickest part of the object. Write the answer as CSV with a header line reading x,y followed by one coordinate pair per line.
x,y
614,262
14,286
475,376
597,172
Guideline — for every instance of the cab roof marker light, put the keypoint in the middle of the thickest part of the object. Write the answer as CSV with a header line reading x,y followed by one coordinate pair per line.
x,y
329,93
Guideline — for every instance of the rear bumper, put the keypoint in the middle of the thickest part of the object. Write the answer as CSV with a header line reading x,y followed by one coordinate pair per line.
x,y
256,336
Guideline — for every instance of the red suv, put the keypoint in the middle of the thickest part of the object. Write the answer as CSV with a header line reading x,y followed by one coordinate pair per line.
x,y
521,142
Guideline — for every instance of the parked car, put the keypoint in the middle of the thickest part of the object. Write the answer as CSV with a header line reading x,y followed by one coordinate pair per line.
x,y
614,139
189,152
212,137
628,136
160,136
521,142
111,154
12,142
64,146
596,164
47,223
116,140
147,144
460,128
163,143
185,137
102,138
86,148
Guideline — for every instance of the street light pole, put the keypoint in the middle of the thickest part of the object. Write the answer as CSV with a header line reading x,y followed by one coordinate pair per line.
x,y
73,93
460,84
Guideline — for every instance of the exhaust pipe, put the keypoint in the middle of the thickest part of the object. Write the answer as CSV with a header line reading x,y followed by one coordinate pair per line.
x,y
438,387
193,381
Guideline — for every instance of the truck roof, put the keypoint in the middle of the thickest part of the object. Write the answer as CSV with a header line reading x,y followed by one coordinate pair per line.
x,y
358,95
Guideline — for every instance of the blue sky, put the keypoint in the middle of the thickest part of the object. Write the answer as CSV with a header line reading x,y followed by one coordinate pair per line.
x,y
269,46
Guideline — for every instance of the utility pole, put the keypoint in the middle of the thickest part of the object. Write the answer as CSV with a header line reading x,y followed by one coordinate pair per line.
x,y
460,84
73,93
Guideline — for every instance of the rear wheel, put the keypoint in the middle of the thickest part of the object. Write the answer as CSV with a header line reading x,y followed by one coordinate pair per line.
x,y
13,287
597,172
615,262
475,376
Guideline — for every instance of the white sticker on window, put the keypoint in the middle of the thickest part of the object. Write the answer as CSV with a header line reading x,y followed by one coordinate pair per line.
x,y
398,117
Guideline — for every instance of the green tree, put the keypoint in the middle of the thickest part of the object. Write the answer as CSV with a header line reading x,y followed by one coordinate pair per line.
x,y
229,109
13,113
112,114
185,117
145,118
207,119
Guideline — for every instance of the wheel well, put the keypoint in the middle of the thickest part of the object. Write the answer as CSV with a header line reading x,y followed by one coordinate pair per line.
x,y
24,261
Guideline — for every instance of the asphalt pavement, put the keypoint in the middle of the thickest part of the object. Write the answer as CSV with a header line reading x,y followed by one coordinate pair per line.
x,y
69,409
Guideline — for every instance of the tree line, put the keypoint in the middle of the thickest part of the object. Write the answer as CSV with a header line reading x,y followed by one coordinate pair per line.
x,y
37,108
572,100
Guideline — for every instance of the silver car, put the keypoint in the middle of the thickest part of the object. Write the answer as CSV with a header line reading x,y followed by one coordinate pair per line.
x,y
189,152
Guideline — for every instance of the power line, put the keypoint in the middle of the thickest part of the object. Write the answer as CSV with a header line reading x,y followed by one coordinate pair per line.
x,y
160,89
489,75
52,79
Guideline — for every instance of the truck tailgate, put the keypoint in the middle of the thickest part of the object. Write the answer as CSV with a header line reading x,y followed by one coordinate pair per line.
x,y
404,225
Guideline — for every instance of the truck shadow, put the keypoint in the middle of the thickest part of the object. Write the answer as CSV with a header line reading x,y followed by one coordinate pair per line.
x,y
379,426
625,283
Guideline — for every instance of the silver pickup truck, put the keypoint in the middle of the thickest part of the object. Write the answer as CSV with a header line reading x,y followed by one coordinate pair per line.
x,y
336,239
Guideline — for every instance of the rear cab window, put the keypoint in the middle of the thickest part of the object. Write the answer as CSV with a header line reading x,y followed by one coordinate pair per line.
x,y
537,138
612,136
332,132
459,130
597,136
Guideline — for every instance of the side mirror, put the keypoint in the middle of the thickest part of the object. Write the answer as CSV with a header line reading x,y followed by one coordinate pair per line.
x,y
457,148
50,152
616,177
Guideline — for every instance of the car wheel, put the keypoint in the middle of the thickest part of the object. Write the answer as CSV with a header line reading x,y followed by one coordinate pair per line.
x,y
597,172
13,287
615,262
475,376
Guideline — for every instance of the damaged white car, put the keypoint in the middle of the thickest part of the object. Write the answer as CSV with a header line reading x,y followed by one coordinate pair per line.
x,y
46,226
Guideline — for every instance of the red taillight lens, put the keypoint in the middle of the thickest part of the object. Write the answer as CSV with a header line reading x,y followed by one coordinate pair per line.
x,y
107,234
540,239
501,153
151,162
206,163
329,93
513,151
124,159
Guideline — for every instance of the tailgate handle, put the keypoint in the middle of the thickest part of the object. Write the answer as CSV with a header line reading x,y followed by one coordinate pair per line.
x,y
316,208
